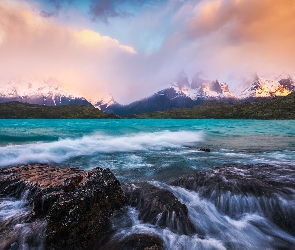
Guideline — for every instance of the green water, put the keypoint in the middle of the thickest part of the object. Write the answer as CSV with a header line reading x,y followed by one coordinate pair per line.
x,y
139,149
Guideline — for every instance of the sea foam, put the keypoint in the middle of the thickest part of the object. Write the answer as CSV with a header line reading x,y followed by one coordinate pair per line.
x,y
64,149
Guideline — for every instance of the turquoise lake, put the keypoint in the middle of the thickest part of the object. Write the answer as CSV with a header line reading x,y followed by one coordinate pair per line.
x,y
141,149
159,151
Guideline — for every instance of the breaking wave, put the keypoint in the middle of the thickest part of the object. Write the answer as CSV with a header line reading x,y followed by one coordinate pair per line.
x,y
64,149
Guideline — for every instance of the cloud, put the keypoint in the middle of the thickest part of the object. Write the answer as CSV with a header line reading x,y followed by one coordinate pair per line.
x,y
223,38
244,34
105,9
46,14
98,10
80,59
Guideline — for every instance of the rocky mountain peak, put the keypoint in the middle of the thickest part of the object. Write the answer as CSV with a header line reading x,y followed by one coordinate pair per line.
x,y
199,80
104,102
268,86
181,81
36,90
201,87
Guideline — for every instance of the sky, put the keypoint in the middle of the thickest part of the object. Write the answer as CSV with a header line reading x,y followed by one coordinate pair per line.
x,y
133,48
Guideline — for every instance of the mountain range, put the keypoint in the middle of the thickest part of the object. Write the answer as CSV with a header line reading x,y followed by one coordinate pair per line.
x,y
38,91
180,93
185,93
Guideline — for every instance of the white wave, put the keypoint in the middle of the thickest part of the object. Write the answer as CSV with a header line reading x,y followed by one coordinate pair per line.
x,y
65,149
11,207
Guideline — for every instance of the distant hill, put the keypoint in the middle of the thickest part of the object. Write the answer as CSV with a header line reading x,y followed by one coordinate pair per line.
x,y
274,108
26,110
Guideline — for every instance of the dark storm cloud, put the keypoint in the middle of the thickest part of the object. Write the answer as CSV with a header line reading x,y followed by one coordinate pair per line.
x,y
98,10
51,8
46,14
103,10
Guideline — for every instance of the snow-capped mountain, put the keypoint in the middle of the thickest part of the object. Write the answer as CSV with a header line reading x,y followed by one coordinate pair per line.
x,y
37,91
105,102
180,93
201,87
268,86
162,100
184,92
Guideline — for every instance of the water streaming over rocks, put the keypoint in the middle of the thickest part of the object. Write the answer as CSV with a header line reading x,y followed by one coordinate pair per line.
x,y
229,207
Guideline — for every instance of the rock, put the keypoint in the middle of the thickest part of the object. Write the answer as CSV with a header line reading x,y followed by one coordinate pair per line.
x,y
135,242
75,204
72,183
205,149
239,189
159,207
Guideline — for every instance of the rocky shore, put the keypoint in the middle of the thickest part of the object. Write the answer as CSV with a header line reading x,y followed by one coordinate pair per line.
x,y
268,190
74,204
69,208
159,207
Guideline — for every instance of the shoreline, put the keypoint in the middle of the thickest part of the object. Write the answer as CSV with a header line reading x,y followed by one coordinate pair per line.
x,y
150,200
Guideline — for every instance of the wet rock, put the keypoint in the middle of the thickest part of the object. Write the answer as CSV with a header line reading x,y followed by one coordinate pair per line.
x,y
19,234
159,207
240,189
72,183
205,149
75,204
135,242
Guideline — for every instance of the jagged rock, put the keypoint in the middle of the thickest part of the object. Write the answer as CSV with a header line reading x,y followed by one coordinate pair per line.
x,y
75,204
239,189
159,207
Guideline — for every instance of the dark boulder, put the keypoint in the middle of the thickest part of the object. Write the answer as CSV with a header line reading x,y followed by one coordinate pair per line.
x,y
75,204
159,207
239,189
134,242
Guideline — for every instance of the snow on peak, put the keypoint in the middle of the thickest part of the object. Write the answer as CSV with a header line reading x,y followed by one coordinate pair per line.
x,y
201,87
269,86
37,90
104,102
31,87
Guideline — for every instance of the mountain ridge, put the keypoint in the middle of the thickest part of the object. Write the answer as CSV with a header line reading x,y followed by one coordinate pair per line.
x,y
280,107
42,91
183,92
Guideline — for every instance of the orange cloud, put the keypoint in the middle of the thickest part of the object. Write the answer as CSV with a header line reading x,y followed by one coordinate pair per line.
x,y
250,34
223,38
31,45
244,20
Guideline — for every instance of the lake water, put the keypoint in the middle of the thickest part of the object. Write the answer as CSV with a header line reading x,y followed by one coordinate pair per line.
x,y
146,149
160,151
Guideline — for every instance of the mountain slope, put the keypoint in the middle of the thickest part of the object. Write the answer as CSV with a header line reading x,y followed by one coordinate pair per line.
x,y
270,108
181,93
26,110
37,91
162,100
